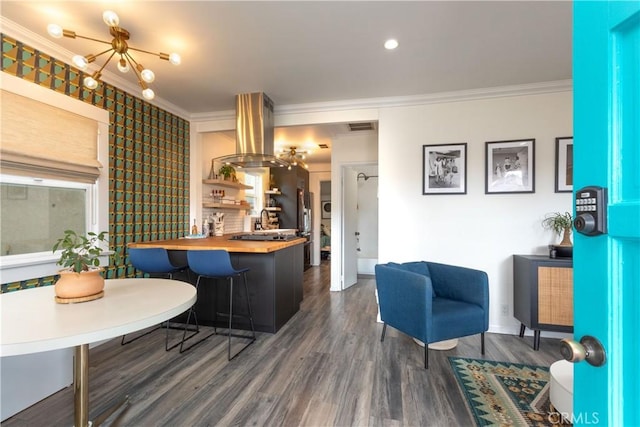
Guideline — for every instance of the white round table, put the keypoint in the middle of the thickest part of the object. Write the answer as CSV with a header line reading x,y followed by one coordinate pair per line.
x,y
33,322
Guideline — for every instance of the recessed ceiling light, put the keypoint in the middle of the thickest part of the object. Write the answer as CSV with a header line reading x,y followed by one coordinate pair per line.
x,y
391,44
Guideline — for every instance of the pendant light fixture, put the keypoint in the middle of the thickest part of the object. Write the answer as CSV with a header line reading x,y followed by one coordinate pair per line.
x,y
294,157
120,47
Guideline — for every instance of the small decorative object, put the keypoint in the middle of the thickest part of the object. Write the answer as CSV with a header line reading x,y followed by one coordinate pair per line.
x,y
510,166
227,172
560,224
218,224
326,209
444,169
564,164
80,280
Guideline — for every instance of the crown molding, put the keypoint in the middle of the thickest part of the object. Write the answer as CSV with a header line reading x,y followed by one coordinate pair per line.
x,y
45,45
404,101
434,98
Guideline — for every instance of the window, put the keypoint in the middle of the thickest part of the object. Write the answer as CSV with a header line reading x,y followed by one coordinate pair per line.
x,y
45,189
34,213
254,195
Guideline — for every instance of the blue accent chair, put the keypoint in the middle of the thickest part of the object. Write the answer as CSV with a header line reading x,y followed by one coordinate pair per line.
x,y
433,302
155,262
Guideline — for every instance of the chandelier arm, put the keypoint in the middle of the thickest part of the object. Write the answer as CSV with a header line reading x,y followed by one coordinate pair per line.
x,y
146,51
91,38
102,53
131,60
106,62
135,71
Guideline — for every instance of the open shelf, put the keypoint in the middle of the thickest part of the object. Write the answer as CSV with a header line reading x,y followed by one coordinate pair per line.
x,y
228,184
243,207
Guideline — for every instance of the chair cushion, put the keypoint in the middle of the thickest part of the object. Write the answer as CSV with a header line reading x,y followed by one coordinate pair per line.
x,y
419,267
454,319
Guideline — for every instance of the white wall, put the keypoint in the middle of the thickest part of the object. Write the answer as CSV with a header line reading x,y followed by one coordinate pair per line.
x,y
475,230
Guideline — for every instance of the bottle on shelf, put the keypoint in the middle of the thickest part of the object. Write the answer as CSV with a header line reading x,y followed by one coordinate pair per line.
x,y
194,228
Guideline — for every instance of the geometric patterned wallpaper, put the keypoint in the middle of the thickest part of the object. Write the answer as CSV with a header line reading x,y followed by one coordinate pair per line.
x,y
148,156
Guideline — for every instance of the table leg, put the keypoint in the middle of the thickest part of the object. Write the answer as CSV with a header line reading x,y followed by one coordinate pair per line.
x,y
81,386
81,391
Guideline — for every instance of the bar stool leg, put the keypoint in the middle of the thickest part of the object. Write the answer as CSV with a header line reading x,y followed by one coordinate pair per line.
x,y
230,316
246,291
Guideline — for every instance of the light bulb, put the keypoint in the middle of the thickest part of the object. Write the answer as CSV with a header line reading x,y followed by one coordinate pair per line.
x,y
90,82
175,59
148,94
110,18
391,44
55,31
123,65
147,75
80,62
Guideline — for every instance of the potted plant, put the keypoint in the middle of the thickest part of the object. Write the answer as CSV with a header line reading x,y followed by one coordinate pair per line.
x,y
80,279
560,224
228,172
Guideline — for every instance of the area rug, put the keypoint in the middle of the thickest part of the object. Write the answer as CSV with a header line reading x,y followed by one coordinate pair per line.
x,y
502,393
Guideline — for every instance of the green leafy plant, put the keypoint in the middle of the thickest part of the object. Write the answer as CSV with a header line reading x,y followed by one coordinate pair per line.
x,y
227,171
79,253
558,222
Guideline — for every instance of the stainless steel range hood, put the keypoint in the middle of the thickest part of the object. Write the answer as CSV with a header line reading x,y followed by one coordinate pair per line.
x,y
254,133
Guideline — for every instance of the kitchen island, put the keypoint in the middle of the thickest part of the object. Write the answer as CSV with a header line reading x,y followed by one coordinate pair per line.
x,y
274,279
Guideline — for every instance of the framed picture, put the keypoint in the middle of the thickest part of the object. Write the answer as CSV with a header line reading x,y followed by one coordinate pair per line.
x,y
444,169
326,209
510,166
564,164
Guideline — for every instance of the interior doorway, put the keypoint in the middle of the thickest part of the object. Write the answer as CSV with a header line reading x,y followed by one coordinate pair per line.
x,y
359,225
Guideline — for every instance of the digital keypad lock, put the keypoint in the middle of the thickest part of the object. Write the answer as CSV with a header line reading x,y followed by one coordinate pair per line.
x,y
591,211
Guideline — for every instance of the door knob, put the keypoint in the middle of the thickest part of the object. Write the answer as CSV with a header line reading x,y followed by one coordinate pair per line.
x,y
589,349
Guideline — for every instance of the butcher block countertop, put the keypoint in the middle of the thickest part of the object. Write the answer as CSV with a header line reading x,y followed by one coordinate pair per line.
x,y
222,242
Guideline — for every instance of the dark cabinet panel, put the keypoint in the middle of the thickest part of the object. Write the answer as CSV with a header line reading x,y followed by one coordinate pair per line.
x,y
543,294
275,291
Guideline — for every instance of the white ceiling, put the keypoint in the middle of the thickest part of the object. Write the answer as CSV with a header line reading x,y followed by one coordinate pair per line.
x,y
320,52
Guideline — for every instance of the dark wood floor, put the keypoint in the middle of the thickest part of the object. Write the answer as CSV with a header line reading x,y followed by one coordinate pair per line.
x,y
325,367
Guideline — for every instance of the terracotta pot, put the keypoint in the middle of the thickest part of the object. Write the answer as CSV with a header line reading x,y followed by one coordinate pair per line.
x,y
79,285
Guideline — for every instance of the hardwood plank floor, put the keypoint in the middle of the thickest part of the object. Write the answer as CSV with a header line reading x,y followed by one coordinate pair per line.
x,y
325,367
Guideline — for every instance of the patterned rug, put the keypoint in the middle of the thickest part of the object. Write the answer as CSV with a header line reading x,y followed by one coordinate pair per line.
x,y
502,393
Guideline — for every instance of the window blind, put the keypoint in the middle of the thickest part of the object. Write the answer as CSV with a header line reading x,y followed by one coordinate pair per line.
x,y
40,140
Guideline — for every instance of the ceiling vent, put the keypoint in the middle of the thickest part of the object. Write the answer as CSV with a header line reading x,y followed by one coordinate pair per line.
x,y
323,146
355,127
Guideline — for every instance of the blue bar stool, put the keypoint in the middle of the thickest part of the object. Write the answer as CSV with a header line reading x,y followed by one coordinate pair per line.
x,y
155,261
216,264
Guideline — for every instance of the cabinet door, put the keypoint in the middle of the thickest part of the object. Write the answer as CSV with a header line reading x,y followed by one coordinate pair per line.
x,y
555,296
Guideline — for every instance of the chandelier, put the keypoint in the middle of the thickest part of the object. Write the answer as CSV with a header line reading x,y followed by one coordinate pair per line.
x,y
120,47
294,157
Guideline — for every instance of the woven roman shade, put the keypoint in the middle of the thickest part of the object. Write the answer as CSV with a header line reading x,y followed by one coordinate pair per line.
x,y
43,141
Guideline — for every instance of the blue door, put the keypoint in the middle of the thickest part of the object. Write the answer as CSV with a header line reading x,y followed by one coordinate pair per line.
x,y
606,73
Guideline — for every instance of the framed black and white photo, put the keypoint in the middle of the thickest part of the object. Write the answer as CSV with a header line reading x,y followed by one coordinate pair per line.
x,y
564,164
510,166
444,169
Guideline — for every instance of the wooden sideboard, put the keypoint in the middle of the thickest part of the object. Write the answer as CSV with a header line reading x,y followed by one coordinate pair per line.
x,y
543,294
